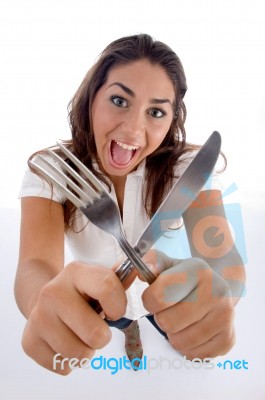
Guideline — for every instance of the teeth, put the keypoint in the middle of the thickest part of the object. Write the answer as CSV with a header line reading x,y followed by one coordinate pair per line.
x,y
126,146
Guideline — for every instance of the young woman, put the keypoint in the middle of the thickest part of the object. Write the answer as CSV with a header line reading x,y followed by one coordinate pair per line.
x,y
127,122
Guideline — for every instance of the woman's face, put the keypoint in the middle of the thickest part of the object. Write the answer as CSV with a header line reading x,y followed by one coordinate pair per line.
x,y
131,113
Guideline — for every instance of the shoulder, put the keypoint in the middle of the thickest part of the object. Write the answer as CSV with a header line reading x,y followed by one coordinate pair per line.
x,y
214,181
36,185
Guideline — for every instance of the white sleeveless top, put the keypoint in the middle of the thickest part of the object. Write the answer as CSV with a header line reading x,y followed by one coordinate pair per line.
x,y
92,245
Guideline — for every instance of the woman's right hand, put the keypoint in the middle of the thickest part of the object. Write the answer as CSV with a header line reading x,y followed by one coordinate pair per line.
x,y
62,321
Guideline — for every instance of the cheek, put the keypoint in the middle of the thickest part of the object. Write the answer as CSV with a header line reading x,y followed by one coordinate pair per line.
x,y
103,121
157,136
98,115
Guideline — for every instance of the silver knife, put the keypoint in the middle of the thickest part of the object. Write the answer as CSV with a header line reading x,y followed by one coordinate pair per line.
x,y
181,195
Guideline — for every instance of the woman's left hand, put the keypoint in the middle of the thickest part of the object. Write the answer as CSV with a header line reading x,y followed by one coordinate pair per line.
x,y
192,304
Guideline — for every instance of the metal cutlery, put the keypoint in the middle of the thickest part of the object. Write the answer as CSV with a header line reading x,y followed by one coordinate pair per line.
x,y
90,196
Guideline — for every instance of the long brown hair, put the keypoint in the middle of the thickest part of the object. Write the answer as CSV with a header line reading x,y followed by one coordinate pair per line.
x,y
160,164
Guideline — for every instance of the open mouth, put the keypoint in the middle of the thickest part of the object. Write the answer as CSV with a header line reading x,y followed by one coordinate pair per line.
x,y
121,153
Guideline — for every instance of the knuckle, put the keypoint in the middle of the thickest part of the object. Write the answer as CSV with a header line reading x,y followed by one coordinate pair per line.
x,y
224,291
59,370
182,342
153,299
174,342
99,336
228,341
63,372
112,292
179,342
37,320
26,344
110,282
145,300
199,263
221,289
192,354
84,353
48,294
73,267
227,313
163,322
34,319
119,310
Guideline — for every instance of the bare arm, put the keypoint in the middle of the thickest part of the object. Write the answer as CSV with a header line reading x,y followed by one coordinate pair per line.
x,y
193,299
210,239
54,299
41,255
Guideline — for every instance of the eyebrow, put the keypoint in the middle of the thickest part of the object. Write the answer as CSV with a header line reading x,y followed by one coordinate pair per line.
x,y
132,94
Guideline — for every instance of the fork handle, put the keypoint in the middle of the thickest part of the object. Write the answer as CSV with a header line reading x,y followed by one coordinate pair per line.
x,y
124,269
135,260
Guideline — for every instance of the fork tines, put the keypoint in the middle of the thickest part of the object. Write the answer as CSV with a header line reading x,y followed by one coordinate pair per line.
x,y
76,195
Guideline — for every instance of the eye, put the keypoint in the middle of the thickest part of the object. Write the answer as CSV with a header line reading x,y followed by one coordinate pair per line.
x,y
157,113
119,101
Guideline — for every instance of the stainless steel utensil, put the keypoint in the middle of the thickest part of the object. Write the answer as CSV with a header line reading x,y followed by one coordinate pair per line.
x,y
93,200
100,208
182,194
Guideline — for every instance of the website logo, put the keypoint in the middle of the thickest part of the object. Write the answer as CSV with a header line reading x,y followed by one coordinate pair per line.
x,y
221,249
115,365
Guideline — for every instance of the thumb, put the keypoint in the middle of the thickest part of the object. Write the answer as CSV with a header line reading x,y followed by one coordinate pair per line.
x,y
157,262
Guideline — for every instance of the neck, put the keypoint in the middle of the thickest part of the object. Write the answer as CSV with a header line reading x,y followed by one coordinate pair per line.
x,y
119,186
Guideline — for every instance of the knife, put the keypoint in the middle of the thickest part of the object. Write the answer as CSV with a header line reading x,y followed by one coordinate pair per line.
x,y
181,195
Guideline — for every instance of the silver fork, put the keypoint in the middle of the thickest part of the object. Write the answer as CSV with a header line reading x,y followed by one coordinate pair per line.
x,y
97,205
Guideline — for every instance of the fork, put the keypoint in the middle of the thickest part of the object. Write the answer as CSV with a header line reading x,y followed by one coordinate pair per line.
x,y
91,197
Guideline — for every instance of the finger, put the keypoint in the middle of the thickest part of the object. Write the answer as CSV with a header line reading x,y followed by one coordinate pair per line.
x,y
173,285
101,284
76,313
205,298
157,262
217,320
181,315
59,337
37,349
217,346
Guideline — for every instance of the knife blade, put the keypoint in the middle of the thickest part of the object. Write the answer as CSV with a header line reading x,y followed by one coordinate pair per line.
x,y
181,195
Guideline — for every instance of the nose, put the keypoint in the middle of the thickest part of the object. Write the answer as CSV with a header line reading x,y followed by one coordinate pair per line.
x,y
134,123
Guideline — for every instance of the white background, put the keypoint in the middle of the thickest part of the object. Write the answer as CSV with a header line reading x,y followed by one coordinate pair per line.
x,y
46,47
